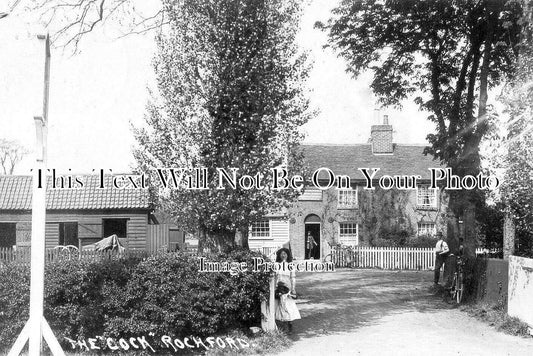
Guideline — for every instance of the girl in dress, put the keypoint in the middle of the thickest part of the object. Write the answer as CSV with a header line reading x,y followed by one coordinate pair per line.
x,y
285,306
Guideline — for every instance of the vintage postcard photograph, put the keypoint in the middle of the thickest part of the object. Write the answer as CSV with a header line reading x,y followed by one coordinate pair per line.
x,y
266,177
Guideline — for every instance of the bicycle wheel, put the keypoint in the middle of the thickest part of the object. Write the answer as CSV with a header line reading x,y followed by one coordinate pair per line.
x,y
459,287
453,289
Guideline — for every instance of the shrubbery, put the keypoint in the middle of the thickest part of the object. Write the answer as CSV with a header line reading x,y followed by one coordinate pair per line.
x,y
404,241
164,294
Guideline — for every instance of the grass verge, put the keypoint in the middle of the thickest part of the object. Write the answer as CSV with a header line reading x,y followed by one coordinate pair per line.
x,y
496,316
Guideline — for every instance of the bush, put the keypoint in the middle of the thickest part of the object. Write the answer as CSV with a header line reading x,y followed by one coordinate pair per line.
x,y
421,242
14,302
163,294
401,240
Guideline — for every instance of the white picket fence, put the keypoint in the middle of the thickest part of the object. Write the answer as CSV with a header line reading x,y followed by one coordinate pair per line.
x,y
392,258
396,258
269,251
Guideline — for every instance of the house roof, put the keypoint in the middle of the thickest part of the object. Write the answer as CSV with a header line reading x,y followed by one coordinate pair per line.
x,y
16,194
347,159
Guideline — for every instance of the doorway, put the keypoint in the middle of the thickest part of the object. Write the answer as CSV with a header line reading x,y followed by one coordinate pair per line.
x,y
312,237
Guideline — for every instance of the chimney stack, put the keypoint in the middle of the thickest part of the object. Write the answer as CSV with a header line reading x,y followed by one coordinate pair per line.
x,y
381,137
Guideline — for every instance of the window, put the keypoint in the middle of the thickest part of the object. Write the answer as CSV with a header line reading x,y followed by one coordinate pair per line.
x,y
426,229
260,229
68,234
8,235
348,233
118,227
347,198
426,198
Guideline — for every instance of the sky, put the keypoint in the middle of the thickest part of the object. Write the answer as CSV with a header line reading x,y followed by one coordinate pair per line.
x,y
97,94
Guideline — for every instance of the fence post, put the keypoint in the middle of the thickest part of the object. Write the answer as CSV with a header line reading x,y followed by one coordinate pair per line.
x,y
268,310
381,256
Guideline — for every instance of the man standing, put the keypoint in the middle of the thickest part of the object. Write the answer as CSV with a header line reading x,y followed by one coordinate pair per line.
x,y
441,253
311,243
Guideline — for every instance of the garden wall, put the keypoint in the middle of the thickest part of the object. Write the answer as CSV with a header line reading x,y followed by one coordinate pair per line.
x,y
520,300
492,279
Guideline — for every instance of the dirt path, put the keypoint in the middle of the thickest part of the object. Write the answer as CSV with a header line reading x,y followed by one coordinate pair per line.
x,y
367,312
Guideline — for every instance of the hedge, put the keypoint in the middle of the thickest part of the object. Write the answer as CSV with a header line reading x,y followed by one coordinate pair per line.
x,y
163,295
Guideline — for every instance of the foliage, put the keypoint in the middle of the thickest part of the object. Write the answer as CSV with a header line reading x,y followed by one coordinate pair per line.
x,y
432,49
404,240
490,226
14,302
11,153
422,241
230,94
163,294
517,188
445,54
495,315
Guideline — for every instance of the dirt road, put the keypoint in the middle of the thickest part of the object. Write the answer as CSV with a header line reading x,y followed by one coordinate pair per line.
x,y
368,312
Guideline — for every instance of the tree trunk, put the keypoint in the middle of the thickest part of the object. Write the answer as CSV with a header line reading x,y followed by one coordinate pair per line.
x,y
202,237
216,241
241,238
508,236
469,221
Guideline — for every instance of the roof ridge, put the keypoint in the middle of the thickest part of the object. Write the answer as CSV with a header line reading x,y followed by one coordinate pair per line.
x,y
363,144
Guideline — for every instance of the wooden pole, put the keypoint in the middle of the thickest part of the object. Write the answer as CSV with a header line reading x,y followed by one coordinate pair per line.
x,y
37,327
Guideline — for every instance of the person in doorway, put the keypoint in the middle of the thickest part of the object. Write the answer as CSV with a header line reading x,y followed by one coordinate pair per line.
x,y
285,282
441,253
310,244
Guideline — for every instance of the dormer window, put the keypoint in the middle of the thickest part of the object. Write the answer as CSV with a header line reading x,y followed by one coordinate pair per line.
x,y
426,198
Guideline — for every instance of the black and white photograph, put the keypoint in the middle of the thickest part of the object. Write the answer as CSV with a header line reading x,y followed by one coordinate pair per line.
x,y
266,177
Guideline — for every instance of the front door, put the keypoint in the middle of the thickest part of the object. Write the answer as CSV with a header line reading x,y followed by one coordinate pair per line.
x,y
312,241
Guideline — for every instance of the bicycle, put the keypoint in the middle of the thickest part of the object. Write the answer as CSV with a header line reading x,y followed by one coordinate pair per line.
x,y
457,286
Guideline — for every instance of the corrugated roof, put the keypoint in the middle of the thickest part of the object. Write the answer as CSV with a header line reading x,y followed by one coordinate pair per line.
x,y
16,192
347,159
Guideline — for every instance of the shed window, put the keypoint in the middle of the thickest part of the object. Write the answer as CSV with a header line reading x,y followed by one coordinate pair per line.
x,y
118,227
68,234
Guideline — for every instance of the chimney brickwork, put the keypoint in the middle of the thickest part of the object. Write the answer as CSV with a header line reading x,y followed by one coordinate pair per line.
x,y
381,137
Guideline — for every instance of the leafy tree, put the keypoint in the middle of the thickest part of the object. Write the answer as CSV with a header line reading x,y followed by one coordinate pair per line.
x,y
230,94
11,153
447,55
517,189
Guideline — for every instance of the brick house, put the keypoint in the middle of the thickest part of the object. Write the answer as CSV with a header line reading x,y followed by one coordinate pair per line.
x,y
77,216
354,215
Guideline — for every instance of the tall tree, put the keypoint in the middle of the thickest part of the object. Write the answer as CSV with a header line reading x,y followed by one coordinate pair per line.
x,y
11,153
230,94
517,188
444,54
